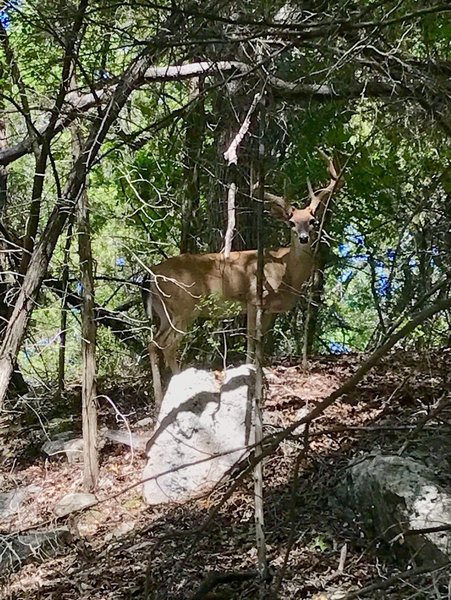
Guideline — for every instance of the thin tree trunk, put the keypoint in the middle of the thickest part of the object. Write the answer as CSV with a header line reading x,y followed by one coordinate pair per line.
x,y
63,321
315,294
259,383
88,351
6,281
194,138
321,258
88,335
35,208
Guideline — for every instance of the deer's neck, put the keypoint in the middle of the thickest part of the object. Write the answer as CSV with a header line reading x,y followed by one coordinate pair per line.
x,y
299,261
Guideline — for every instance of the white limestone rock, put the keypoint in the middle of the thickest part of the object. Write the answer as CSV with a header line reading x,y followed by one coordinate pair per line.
x,y
202,431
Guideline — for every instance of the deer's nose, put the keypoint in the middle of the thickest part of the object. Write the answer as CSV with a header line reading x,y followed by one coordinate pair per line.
x,y
304,238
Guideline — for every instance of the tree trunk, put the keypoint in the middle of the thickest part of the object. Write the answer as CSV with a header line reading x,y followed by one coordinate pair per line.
x,y
315,297
259,379
88,349
6,264
63,321
194,138
88,333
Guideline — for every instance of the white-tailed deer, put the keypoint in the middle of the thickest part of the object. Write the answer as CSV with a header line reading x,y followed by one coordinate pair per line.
x,y
178,289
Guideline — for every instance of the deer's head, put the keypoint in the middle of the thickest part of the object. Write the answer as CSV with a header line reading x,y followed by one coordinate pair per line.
x,y
302,221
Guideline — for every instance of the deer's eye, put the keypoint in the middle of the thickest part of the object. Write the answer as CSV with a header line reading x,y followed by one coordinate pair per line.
x,y
313,221
291,223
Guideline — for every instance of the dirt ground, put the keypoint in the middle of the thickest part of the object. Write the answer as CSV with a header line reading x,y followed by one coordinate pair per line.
x,y
122,549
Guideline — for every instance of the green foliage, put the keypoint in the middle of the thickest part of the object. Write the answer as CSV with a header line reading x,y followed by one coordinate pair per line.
x,y
389,228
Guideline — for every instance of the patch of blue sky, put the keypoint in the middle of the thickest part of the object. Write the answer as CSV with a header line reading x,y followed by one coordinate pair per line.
x,y
5,19
120,261
383,285
346,276
6,11
344,249
358,260
357,238
352,238
391,254
338,348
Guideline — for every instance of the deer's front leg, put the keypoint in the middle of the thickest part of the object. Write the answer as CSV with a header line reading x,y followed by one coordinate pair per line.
x,y
267,321
251,329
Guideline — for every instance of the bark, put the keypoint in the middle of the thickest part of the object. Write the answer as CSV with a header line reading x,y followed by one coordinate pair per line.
x,y
6,246
316,287
262,565
88,349
88,335
313,307
35,209
63,322
194,137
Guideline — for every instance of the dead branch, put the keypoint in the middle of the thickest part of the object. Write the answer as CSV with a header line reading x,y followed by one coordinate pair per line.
x,y
214,579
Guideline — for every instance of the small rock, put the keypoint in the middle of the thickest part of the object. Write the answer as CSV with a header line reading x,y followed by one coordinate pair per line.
x,y
71,447
11,502
120,530
146,422
134,440
53,447
73,502
74,450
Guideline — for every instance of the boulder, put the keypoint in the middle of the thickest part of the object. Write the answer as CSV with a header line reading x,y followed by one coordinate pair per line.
x,y
202,431
396,496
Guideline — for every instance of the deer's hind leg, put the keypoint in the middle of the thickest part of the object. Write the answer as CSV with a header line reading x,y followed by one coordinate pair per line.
x,y
154,355
164,346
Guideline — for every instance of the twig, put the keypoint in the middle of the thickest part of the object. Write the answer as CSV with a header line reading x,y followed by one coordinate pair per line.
x,y
215,578
394,579
444,401
231,156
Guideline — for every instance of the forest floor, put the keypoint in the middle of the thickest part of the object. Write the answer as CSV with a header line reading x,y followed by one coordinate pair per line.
x,y
120,548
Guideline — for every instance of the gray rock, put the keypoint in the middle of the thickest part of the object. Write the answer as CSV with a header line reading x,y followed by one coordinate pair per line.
x,y
11,502
134,440
146,422
74,450
120,531
71,447
394,495
14,548
73,502
53,447
200,434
